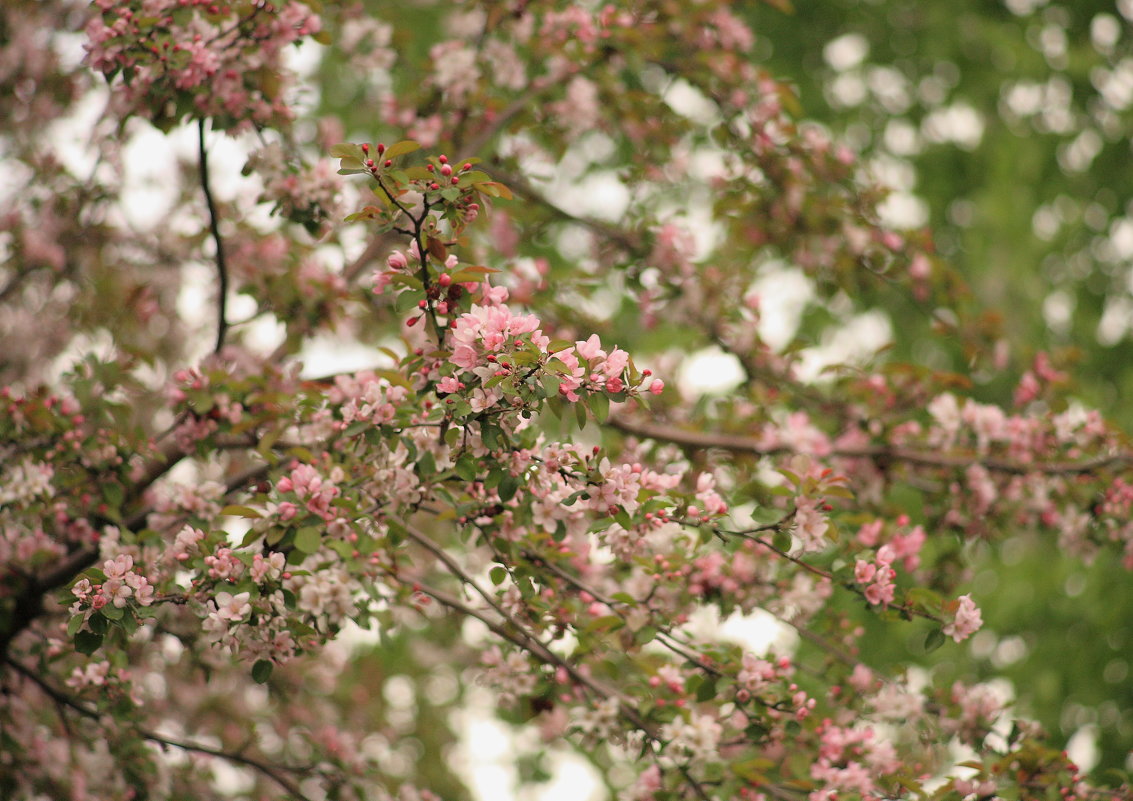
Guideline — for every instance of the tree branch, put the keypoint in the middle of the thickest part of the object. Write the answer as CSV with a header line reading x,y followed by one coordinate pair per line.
x,y
704,440
214,229
273,772
628,240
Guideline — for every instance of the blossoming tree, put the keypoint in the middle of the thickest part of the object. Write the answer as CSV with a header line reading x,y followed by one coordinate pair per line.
x,y
217,557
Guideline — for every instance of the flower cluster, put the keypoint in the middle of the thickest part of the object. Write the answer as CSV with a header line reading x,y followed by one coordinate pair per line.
x,y
222,61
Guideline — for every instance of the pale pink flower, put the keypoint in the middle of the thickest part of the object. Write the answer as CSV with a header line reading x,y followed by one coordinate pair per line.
x,y
232,607
966,622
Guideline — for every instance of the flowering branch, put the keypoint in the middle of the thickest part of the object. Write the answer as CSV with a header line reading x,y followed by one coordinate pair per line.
x,y
273,772
701,440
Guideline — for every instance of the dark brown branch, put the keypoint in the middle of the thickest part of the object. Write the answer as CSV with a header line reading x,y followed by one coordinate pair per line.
x,y
628,240
214,229
273,772
29,602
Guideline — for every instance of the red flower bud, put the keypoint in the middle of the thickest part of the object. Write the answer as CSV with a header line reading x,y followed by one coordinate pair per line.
x,y
443,159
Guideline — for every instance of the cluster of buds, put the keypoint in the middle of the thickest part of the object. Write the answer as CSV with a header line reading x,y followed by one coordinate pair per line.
x,y
445,170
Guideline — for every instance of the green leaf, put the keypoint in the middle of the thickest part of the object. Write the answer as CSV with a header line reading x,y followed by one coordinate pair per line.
x,y
466,467
600,406
113,492
497,574
405,301
261,671
753,770
408,280
509,484
241,511
401,148
307,539
112,612
87,642
347,150
495,189
474,177
644,634
580,414
933,640
418,173
707,690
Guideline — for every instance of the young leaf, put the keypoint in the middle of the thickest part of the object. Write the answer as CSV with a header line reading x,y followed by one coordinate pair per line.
x,y
401,148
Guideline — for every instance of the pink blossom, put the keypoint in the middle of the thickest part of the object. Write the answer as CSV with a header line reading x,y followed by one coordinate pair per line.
x,y
232,607
966,622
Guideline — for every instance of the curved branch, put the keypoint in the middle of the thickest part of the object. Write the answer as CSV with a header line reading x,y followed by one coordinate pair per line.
x,y
214,229
273,772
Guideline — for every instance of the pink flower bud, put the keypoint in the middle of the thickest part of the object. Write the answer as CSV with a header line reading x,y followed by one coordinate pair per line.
x,y
657,387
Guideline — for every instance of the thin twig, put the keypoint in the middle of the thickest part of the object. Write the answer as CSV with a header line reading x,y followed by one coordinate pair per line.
x,y
214,229
268,770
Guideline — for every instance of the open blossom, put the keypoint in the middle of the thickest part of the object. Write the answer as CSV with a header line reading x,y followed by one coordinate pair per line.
x,y
698,740
269,568
599,721
25,480
810,525
91,675
756,673
232,607
966,622
488,330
